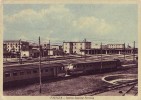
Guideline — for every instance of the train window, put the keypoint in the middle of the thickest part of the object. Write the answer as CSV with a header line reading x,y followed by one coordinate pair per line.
x,y
28,72
21,73
60,68
34,71
15,73
77,66
46,70
7,74
89,65
51,69
84,66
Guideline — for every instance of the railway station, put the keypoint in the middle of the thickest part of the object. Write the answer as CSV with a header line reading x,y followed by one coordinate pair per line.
x,y
109,51
73,48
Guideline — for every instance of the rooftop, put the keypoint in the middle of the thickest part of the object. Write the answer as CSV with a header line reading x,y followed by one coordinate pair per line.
x,y
13,41
77,42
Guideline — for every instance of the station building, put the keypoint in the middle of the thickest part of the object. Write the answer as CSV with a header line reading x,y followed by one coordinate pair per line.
x,y
109,51
115,46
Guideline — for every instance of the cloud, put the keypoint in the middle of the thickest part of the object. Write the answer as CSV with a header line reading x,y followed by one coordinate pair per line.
x,y
55,18
93,25
56,22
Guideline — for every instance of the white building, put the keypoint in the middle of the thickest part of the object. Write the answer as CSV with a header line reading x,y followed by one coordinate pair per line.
x,y
75,47
115,46
16,47
56,47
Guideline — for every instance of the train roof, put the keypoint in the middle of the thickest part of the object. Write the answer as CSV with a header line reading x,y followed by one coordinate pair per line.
x,y
31,66
82,62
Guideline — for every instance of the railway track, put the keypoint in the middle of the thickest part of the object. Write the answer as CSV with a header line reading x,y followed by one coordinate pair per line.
x,y
131,91
114,87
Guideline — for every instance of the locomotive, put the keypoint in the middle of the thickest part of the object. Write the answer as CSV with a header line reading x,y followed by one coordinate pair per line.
x,y
96,66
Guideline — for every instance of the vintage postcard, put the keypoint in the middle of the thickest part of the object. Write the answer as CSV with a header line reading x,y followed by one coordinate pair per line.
x,y
74,50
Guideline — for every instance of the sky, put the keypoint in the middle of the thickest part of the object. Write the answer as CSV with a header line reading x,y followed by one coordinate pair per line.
x,y
106,23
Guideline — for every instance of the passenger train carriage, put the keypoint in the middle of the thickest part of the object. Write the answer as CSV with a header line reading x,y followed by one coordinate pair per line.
x,y
26,73
30,72
96,66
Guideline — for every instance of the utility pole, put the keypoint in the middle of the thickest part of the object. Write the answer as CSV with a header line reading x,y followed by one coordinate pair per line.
x,y
40,66
101,58
20,51
81,53
134,52
49,51
85,47
124,51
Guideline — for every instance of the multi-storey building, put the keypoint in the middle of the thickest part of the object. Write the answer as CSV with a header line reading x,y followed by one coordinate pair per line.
x,y
56,47
52,50
75,47
16,46
98,46
4,47
48,46
115,46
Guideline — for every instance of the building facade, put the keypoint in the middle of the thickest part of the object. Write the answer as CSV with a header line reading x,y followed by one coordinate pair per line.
x,y
115,46
75,47
17,47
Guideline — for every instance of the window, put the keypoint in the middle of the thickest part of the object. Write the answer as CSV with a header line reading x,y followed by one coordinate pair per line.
x,y
7,74
15,73
21,73
60,68
29,72
46,70
75,66
51,69
34,71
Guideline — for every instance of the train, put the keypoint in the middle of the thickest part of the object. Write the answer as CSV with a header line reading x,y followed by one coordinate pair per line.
x,y
94,67
28,73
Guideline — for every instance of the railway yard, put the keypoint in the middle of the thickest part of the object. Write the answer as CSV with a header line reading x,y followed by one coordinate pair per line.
x,y
121,82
